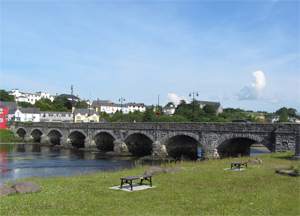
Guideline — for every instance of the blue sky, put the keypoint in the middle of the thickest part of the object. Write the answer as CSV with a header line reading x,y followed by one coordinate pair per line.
x,y
244,54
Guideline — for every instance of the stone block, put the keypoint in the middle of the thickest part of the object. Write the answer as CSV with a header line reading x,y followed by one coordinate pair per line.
x,y
6,190
25,187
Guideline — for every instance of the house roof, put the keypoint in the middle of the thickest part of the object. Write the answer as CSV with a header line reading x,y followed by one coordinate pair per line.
x,y
8,104
50,113
25,110
73,97
85,111
215,104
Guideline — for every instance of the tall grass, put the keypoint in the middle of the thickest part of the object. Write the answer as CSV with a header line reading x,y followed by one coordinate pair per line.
x,y
7,136
201,188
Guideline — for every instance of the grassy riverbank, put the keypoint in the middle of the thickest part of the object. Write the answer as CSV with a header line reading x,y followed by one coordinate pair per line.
x,y
7,136
201,188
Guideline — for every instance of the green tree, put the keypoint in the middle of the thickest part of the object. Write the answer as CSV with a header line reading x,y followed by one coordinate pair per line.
x,y
4,96
25,104
210,110
81,105
148,115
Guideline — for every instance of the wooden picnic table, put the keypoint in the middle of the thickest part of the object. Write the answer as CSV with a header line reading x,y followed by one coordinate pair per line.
x,y
129,179
238,164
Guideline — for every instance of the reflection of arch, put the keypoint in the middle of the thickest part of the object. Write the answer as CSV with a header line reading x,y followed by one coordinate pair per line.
x,y
234,145
21,132
54,136
77,139
104,141
139,144
36,134
182,147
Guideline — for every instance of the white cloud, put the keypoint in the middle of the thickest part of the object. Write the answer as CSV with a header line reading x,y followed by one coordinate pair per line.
x,y
175,98
255,91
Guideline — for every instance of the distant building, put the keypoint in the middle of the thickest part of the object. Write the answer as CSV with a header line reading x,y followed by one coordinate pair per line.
x,y
30,97
169,110
273,118
85,115
135,107
74,99
258,116
293,119
24,114
8,105
3,118
107,106
47,116
216,105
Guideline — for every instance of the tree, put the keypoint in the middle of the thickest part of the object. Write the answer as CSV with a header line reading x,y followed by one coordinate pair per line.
x,y
148,115
170,104
81,105
4,96
209,110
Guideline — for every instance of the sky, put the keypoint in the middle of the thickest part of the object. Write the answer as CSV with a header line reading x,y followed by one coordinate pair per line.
x,y
243,54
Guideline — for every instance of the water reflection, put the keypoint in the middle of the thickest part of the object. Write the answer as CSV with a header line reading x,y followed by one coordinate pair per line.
x,y
22,161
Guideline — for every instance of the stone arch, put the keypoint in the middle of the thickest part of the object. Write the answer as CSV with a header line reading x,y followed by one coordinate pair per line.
x,y
237,144
21,132
104,141
110,132
55,136
36,134
139,144
148,135
189,134
77,138
182,146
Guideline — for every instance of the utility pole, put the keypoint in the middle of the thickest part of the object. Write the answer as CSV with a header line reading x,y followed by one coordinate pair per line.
x,y
194,94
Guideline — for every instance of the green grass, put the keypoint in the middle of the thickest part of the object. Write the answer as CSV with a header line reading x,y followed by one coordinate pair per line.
x,y
7,136
201,188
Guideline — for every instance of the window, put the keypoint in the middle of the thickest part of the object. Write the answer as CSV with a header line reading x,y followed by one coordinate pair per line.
x,y
1,120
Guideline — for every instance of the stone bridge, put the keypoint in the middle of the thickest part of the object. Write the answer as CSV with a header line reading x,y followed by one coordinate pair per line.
x,y
160,139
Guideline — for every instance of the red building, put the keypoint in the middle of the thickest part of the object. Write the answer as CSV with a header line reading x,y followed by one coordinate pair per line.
x,y
3,117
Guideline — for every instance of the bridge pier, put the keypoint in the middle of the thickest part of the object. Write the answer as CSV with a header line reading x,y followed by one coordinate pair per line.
x,y
120,146
45,139
159,149
28,138
297,149
89,143
210,153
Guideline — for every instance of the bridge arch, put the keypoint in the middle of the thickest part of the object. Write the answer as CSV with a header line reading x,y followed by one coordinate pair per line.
x,y
182,146
234,145
139,144
21,132
77,139
36,134
104,141
55,136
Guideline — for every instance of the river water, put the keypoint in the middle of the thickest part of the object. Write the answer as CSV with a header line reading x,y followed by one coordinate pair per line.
x,y
18,161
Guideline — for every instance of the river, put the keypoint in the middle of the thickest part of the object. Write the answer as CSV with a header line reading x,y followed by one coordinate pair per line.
x,y
19,161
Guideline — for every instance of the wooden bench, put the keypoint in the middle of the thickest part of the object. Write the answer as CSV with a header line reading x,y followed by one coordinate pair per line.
x,y
129,180
238,164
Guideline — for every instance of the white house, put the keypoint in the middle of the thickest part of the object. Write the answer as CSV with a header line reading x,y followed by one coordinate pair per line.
x,y
169,110
24,114
47,116
135,106
30,97
216,105
109,107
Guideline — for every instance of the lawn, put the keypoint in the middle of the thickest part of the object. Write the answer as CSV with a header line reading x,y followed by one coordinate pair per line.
x,y
201,188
